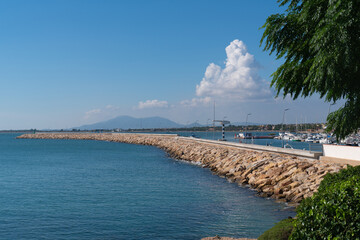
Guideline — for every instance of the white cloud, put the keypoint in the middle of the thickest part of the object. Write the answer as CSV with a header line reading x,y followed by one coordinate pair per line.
x,y
91,113
102,113
153,104
238,80
111,107
195,102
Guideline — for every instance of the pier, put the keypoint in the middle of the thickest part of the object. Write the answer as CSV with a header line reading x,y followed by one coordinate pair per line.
x,y
285,174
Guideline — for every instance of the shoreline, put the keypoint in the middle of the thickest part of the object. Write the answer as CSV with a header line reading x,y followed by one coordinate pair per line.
x,y
286,178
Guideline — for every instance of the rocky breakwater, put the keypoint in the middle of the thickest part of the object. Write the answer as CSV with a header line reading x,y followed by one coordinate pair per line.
x,y
280,176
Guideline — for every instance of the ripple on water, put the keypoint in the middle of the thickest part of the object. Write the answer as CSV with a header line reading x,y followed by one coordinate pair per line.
x,y
74,189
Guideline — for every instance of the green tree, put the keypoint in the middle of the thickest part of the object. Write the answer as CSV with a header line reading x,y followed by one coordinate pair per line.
x,y
333,211
319,41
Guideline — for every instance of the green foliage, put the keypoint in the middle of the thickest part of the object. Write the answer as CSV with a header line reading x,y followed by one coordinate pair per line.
x,y
281,231
343,175
333,212
319,41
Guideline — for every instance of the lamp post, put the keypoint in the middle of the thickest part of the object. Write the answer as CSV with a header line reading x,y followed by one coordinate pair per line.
x,y
246,125
326,120
282,124
329,108
207,127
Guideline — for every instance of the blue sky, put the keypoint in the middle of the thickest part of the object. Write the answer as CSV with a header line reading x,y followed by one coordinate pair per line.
x,y
68,63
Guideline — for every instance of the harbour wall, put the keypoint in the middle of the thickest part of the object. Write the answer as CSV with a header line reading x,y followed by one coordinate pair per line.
x,y
283,176
351,153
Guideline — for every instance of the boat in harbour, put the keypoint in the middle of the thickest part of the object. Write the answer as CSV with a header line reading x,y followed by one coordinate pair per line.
x,y
249,135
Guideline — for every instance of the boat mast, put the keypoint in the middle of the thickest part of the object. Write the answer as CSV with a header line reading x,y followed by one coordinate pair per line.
x,y
214,123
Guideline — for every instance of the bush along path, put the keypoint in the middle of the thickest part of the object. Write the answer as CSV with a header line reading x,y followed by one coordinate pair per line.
x,y
333,211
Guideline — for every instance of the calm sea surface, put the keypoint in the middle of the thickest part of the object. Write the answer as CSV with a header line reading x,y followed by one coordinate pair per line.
x,y
74,189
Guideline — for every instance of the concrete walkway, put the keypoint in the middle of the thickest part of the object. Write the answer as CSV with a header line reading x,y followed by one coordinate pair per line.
x,y
294,152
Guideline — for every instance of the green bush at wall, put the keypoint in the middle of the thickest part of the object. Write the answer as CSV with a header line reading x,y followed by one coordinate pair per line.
x,y
281,231
334,211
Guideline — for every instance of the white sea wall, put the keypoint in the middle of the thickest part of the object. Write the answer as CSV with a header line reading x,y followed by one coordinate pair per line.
x,y
341,151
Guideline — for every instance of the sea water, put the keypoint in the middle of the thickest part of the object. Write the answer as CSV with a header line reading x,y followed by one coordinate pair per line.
x,y
78,189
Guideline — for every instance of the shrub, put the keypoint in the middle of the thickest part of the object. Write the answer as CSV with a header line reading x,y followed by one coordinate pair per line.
x,y
343,174
281,231
332,212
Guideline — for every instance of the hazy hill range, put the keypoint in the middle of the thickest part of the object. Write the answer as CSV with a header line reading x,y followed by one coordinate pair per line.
x,y
127,122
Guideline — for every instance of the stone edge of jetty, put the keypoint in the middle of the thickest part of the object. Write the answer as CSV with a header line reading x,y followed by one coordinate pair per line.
x,y
283,177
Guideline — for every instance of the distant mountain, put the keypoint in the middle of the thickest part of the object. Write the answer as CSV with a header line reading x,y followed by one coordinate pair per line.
x,y
127,122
